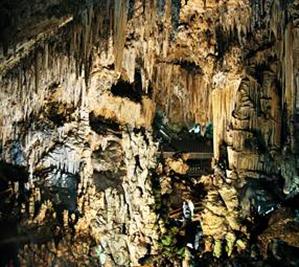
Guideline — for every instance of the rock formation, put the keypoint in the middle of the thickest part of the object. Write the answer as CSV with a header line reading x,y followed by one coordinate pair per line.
x,y
82,179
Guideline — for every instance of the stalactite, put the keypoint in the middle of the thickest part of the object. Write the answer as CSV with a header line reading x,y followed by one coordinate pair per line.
x,y
36,71
119,30
74,70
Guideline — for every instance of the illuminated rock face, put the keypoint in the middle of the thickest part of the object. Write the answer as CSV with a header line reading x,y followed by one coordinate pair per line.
x,y
80,86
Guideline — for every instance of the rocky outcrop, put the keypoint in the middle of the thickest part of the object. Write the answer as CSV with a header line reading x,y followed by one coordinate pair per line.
x,y
109,218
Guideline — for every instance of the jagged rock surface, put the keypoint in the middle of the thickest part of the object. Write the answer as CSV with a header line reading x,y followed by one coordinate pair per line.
x,y
80,86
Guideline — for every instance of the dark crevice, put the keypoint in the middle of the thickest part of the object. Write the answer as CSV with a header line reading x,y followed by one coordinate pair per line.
x,y
190,67
101,125
125,89
131,9
10,172
132,91
58,115
224,41
175,13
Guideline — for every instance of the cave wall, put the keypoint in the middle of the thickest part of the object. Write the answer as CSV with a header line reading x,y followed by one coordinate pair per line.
x,y
230,62
256,109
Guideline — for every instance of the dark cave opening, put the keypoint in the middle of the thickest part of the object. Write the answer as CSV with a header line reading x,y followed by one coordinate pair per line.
x,y
198,139
224,41
133,91
189,67
10,238
198,144
125,89
102,125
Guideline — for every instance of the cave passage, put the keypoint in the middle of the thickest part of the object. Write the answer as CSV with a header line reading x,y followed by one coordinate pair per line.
x,y
197,142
